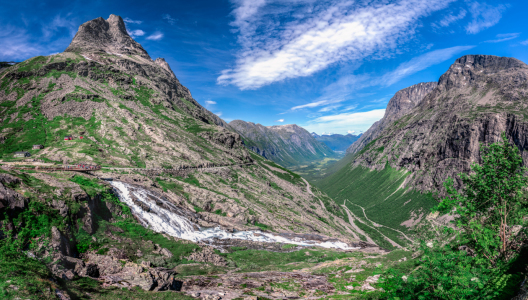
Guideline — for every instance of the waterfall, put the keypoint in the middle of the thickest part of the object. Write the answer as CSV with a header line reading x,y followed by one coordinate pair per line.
x,y
161,215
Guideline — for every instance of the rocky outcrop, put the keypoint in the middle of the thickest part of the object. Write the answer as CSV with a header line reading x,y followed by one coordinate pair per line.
x,y
60,243
207,255
288,145
100,35
399,105
116,272
476,100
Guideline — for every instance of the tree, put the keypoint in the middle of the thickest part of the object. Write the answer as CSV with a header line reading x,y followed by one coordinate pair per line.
x,y
488,214
492,204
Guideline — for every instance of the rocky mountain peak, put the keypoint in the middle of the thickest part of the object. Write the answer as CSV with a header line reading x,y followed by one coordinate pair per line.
x,y
399,105
469,69
162,63
405,100
100,35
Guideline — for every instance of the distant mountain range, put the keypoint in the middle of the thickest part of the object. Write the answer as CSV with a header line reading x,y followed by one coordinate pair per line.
x,y
287,145
337,142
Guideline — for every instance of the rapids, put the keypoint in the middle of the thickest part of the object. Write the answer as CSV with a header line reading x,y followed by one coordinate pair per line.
x,y
163,216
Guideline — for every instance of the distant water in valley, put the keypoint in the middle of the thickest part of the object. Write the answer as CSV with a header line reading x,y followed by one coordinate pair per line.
x,y
163,216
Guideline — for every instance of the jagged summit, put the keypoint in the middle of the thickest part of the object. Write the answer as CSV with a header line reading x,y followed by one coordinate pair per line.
x,y
100,35
399,105
162,63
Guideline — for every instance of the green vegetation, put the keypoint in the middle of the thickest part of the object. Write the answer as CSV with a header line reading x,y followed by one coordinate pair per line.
x,y
490,265
380,194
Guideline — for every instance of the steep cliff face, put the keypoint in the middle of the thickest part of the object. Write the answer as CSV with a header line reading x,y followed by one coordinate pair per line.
x,y
399,105
288,145
477,99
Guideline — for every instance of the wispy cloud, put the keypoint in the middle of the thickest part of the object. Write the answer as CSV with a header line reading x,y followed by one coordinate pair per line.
x,y
330,108
279,120
504,37
57,23
484,16
524,43
16,45
422,62
345,122
209,102
169,19
136,33
450,19
130,21
218,113
274,49
156,36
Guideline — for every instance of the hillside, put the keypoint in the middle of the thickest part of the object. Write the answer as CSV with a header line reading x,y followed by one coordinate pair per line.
x,y
337,142
170,183
287,145
393,176
399,105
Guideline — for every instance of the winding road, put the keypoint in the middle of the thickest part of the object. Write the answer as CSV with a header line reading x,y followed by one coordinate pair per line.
x,y
393,243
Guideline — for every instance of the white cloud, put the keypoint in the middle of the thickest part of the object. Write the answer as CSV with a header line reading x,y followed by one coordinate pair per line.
x,y
274,50
350,107
351,131
450,19
169,19
315,104
504,37
210,102
330,108
484,16
524,43
136,33
341,123
422,62
156,36
59,22
16,45
218,113
128,20
279,120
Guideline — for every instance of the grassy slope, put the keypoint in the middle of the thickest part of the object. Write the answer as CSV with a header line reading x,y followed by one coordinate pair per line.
x,y
379,194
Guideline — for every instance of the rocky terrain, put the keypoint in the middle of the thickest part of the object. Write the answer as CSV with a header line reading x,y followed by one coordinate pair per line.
x,y
287,145
418,145
477,99
399,105
337,142
66,235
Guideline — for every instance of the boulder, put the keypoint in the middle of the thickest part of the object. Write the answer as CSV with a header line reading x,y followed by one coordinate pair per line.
x,y
60,243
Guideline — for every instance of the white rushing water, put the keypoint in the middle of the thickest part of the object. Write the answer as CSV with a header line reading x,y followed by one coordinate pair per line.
x,y
170,222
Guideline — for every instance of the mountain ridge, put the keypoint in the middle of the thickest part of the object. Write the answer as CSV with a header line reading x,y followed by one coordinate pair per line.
x,y
287,145
399,105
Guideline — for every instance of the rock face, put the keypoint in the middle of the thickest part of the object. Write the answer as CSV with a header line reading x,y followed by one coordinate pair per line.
x,y
100,35
476,100
287,145
337,142
399,105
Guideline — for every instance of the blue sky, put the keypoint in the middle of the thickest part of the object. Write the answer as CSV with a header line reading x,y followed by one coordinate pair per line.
x,y
329,66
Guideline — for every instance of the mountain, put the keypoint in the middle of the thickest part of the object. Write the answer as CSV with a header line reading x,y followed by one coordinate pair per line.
x,y
392,178
287,145
399,105
338,142
168,181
